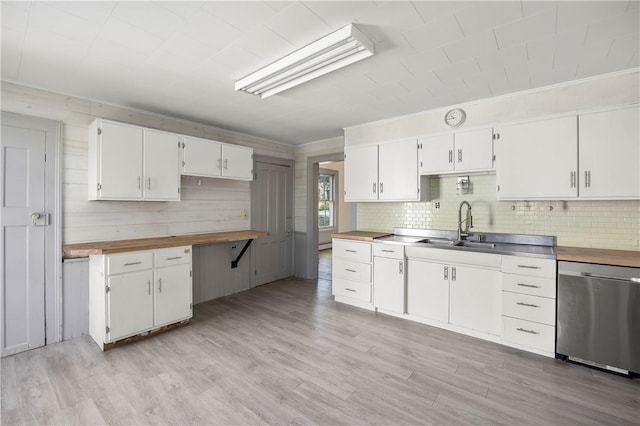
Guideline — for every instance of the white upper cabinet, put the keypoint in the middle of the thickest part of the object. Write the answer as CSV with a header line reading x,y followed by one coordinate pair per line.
x,y
383,172
467,151
208,158
129,162
537,160
237,162
202,157
609,154
361,173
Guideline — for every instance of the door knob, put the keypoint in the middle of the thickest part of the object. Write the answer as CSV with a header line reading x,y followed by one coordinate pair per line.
x,y
35,216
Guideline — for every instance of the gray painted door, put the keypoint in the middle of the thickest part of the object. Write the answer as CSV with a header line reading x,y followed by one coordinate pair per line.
x,y
22,299
274,214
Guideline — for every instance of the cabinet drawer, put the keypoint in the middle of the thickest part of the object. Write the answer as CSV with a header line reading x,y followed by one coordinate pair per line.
x,y
393,251
353,250
531,308
171,256
352,270
527,333
532,266
355,290
128,262
535,286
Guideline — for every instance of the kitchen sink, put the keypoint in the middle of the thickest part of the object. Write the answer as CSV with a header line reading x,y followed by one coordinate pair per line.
x,y
457,243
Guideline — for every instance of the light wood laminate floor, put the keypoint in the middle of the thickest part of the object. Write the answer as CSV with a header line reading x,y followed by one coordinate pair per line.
x,y
286,353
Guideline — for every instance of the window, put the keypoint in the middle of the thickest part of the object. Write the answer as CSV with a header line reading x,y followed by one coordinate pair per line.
x,y
326,201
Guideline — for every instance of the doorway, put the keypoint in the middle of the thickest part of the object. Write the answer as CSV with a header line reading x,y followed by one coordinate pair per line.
x,y
30,252
272,211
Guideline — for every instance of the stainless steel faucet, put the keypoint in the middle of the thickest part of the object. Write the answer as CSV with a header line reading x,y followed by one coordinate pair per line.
x,y
468,219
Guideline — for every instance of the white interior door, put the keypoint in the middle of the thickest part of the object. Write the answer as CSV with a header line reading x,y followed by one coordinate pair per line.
x,y
22,299
274,214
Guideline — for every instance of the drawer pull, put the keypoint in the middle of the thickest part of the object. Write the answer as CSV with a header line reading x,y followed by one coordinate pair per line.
x,y
174,258
132,263
159,285
351,251
529,267
530,305
149,287
388,251
350,270
350,289
528,285
524,330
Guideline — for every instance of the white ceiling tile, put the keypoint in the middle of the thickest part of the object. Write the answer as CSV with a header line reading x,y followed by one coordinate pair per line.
x,y
265,44
211,30
438,33
558,43
50,45
43,16
489,78
338,14
567,57
383,74
485,15
515,54
389,14
511,85
555,76
298,25
14,17
457,71
236,60
534,7
130,36
592,66
530,28
433,10
96,12
11,49
240,14
574,13
613,27
482,44
539,66
186,50
104,49
425,82
624,47
184,9
149,16
418,63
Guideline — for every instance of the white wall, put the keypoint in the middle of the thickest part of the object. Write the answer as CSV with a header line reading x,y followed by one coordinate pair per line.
x,y
215,205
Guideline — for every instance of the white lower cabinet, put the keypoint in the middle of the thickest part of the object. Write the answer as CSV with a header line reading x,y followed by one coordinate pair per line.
x,y
428,290
474,299
351,272
389,278
136,292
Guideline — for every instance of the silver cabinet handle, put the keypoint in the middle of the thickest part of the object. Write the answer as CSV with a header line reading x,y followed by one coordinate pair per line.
x,y
374,187
529,267
350,289
446,273
350,270
381,188
530,305
149,183
219,163
450,156
401,268
149,287
388,251
453,273
225,163
139,182
132,263
528,285
351,251
524,330
573,180
460,156
587,179
159,285
174,258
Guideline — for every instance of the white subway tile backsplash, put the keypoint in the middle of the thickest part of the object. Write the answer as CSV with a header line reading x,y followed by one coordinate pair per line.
x,y
594,224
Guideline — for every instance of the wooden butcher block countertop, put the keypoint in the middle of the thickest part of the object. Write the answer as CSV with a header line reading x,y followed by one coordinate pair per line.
x,y
360,235
601,256
120,246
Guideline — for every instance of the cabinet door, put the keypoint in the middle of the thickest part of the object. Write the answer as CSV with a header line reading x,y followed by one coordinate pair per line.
x,y
475,299
361,173
398,170
388,284
610,154
436,154
202,157
538,160
129,304
474,150
173,295
237,162
428,290
120,159
161,166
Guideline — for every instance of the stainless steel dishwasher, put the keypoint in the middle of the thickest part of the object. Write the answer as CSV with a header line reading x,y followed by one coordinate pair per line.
x,y
599,316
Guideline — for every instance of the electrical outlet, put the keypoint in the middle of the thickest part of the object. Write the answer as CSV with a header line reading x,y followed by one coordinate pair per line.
x,y
245,214
437,204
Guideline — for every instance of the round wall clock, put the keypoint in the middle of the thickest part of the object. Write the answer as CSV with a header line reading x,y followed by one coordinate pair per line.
x,y
455,117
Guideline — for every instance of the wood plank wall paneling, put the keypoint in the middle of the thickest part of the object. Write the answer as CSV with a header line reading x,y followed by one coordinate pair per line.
x,y
213,276
75,298
211,205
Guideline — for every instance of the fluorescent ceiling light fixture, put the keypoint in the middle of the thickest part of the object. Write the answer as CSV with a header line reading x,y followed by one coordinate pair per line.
x,y
334,51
